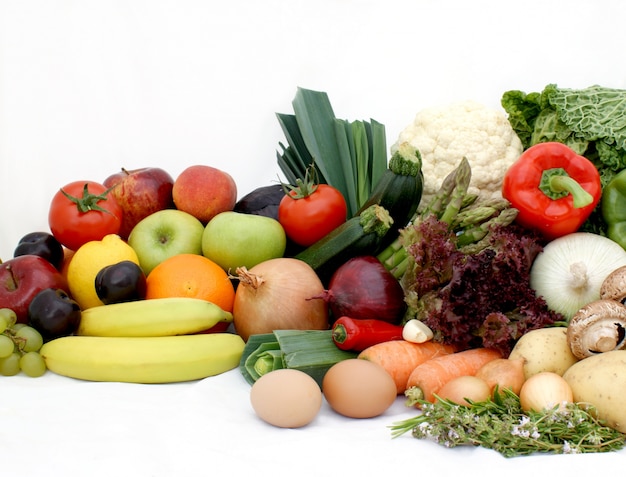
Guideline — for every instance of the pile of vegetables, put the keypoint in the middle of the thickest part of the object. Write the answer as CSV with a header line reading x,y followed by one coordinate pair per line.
x,y
466,270
469,274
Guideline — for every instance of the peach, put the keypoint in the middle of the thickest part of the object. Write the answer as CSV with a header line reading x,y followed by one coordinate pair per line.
x,y
204,191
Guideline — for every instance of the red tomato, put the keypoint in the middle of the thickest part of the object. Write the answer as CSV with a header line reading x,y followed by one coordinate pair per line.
x,y
308,219
86,213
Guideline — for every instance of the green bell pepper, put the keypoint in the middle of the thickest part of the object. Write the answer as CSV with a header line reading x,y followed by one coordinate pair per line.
x,y
613,207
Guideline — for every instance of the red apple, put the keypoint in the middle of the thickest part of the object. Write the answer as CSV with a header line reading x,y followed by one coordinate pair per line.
x,y
21,278
204,191
140,192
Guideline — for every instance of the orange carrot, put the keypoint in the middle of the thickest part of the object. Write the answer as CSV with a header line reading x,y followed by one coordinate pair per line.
x,y
401,357
427,378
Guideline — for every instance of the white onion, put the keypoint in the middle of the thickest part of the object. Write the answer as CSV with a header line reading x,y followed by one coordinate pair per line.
x,y
569,272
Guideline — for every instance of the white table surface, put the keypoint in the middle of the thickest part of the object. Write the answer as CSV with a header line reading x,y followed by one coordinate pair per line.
x,y
92,86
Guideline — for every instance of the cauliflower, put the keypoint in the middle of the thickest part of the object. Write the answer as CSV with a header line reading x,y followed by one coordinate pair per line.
x,y
445,134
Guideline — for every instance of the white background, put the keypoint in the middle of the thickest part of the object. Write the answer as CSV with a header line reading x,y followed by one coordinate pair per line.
x,y
88,87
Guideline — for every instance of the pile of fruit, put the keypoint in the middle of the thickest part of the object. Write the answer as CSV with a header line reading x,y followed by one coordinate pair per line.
x,y
476,272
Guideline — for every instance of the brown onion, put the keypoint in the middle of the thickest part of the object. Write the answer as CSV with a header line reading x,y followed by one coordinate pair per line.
x,y
544,391
464,390
276,295
504,373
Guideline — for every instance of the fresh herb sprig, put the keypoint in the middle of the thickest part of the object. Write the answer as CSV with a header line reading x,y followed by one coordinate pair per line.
x,y
501,425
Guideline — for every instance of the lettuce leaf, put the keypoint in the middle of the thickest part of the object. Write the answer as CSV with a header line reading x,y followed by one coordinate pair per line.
x,y
475,299
592,121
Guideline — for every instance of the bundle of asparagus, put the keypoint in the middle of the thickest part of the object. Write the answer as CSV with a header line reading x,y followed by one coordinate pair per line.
x,y
469,217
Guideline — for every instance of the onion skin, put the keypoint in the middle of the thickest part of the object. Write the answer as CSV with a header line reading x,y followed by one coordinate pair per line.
x,y
276,295
364,289
544,391
503,373
464,389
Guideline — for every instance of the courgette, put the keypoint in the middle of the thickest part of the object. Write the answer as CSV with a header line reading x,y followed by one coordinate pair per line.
x,y
399,190
360,235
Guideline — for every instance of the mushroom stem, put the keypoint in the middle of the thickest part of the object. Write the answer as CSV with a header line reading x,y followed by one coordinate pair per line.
x,y
598,327
605,338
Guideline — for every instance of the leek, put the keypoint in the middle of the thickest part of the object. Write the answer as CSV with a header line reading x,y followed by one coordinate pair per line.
x,y
350,156
310,351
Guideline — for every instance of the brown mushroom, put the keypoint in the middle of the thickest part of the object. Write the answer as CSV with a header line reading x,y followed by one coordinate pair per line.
x,y
614,285
598,327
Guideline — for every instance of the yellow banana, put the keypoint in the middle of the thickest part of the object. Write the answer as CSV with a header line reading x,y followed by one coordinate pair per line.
x,y
148,360
153,317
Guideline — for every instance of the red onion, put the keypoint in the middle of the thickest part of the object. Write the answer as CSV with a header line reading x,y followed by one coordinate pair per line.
x,y
275,295
362,288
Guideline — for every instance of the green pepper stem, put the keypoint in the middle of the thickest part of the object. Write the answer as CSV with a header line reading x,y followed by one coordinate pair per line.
x,y
556,183
340,334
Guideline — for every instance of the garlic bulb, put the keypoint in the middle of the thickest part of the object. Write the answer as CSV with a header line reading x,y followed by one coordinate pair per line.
x,y
569,272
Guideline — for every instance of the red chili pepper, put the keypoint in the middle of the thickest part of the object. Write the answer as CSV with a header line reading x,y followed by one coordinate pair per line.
x,y
553,188
350,334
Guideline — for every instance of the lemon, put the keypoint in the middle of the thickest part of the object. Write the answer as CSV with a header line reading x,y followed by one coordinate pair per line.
x,y
88,260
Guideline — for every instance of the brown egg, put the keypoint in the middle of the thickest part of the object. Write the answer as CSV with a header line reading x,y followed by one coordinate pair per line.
x,y
286,398
359,388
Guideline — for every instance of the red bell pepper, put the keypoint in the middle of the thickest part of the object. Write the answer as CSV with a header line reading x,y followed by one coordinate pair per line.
x,y
553,188
350,334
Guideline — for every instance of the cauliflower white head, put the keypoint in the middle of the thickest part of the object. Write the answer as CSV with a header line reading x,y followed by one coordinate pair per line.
x,y
445,134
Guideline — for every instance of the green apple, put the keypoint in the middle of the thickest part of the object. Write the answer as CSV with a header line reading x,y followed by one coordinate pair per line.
x,y
163,234
234,239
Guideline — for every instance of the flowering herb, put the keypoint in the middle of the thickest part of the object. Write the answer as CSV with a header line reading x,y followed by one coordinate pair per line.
x,y
501,425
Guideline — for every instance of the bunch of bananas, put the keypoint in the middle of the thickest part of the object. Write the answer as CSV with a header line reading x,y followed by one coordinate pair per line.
x,y
146,341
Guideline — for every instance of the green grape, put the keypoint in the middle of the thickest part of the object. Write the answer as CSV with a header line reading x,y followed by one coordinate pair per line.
x,y
32,364
10,366
8,316
17,326
7,347
28,339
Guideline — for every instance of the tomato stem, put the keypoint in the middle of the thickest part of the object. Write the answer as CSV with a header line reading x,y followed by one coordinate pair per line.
x,y
89,201
304,187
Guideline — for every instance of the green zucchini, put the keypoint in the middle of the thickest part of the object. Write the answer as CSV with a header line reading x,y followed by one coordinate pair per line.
x,y
360,235
399,190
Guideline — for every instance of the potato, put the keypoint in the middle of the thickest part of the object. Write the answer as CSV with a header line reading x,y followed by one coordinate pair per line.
x,y
600,380
544,349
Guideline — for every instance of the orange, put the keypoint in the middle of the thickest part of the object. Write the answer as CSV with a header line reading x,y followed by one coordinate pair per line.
x,y
191,275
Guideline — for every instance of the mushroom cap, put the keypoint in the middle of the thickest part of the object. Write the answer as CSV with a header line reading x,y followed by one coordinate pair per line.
x,y
614,285
597,327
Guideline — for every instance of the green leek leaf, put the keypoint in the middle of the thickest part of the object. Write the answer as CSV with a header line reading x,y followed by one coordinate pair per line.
x,y
315,118
378,151
362,161
350,156
345,143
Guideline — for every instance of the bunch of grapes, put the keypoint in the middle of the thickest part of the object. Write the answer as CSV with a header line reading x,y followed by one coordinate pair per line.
x,y
19,347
